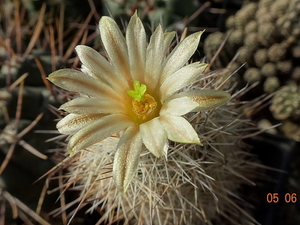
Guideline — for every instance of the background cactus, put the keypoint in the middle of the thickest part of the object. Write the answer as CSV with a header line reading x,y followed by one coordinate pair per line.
x,y
265,36
28,52
169,13
285,107
286,103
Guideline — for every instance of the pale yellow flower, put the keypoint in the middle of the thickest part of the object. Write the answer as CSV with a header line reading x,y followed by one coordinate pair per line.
x,y
138,92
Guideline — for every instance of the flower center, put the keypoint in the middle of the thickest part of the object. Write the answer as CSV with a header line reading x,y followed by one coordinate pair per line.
x,y
142,104
143,109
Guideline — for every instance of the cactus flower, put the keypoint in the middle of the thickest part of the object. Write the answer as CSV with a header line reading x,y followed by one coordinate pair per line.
x,y
137,91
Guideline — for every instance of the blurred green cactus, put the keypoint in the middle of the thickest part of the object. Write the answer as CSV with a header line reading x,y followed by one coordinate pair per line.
x,y
286,102
168,13
264,35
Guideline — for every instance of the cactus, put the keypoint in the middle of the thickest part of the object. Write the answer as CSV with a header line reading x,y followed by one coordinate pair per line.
x,y
291,129
28,51
270,47
286,103
185,182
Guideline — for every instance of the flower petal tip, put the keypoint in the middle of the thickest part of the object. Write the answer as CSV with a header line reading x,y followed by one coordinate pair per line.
x,y
105,21
199,34
199,143
70,151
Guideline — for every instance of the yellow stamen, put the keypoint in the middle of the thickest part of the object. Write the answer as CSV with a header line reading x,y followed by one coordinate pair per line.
x,y
143,109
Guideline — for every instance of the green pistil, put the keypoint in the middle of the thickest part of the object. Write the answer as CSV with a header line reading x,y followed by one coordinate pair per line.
x,y
138,92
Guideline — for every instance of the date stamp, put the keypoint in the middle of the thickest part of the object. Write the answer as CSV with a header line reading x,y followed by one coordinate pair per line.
x,y
288,198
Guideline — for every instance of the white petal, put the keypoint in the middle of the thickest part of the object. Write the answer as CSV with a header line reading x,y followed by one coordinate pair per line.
x,y
73,122
97,131
136,43
180,79
168,37
205,99
77,81
127,158
92,105
180,55
178,106
154,137
115,45
99,67
179,130
155,58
